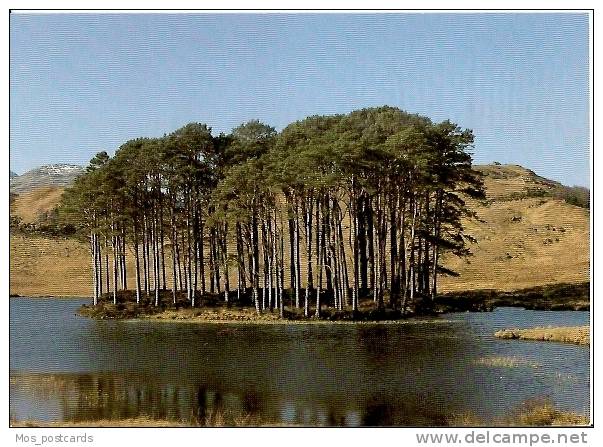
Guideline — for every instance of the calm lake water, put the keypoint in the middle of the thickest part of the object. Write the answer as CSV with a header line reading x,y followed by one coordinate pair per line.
x,y
66,367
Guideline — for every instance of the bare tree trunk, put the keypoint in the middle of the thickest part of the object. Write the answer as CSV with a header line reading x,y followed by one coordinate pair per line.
x,y
410,281
309,280
145,256
240,262
123,258
270,251
345,282
281,284
115,266
182,266
225,263
107,271
93,250
265,265
99,261
189,261
320,238
371,246
162,245
335,267
195,251
202,256
437,231
154,243
393,297
274,262
174,244
254,270
362,241
291,247
354,218
136,261
297,259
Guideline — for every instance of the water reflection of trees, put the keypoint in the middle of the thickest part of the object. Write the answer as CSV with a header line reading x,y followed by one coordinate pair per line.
x,y
383,375
91,397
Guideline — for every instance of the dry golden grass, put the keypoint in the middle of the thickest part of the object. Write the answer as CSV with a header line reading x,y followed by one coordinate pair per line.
x,y
579,335
141,421
45,266
506,362
521,243
30,205
532,414
218,420
524,243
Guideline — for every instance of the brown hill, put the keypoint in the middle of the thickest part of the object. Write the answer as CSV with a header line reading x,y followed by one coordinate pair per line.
x,y
526,238
30,206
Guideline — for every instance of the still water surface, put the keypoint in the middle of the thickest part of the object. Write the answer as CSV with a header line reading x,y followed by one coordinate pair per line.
x,y
66,367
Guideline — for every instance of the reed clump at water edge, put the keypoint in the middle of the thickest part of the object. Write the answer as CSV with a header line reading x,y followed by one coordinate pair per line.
x,y
533,413
579,335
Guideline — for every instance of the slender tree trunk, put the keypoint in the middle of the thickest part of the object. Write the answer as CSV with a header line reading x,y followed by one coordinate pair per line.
x,y
162,246
436,251
274,261
265,292
225,263
319,267
240,262
195,250
145,257
154,243
362,241
393,230
270,254
137,261
345,282
99,261
93,250
254,262
410,281
309,280
115,266
123,258
281,285
202,256
292,256
354,218
370,243
179,261
297,259
189,260
174,244
403,254
107,271
335,266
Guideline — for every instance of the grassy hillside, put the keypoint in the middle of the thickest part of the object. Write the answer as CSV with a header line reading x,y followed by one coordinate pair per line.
x,y
528,237
31,205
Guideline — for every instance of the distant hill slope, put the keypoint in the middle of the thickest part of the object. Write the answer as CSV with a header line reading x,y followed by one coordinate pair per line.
x,y
526,237
32,205
60,175
12,174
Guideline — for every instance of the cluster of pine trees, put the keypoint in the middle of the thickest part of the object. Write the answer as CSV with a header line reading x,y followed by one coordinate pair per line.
x,y
330,210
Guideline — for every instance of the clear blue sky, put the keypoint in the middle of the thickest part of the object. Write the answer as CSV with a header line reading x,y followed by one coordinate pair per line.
x,y
84,83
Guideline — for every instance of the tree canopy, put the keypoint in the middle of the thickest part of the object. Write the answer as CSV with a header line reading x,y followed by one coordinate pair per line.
x,y
337,208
